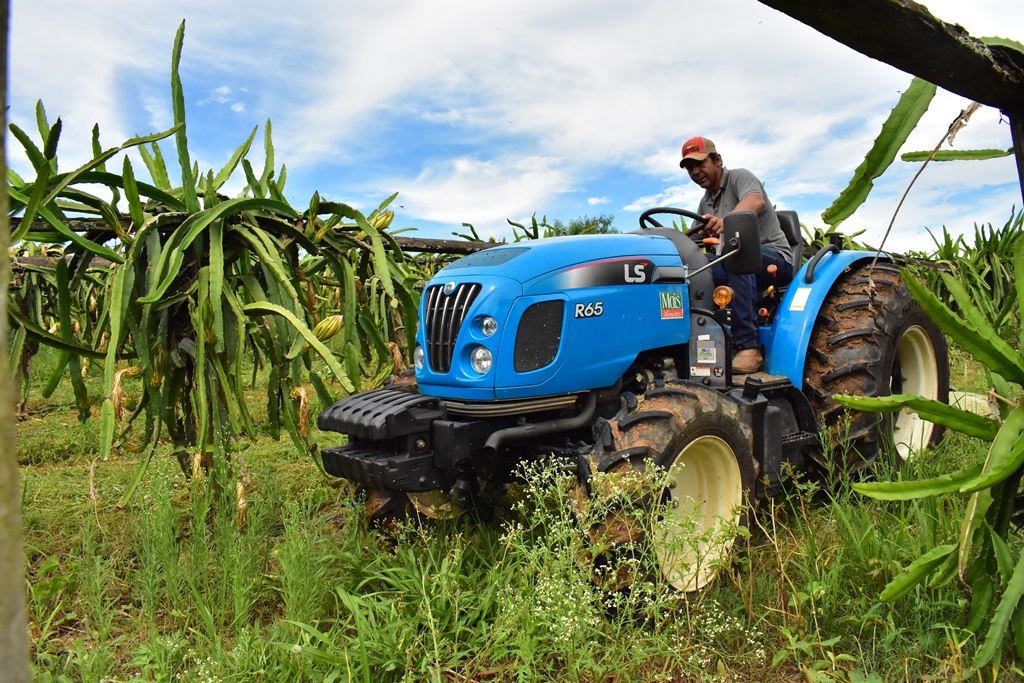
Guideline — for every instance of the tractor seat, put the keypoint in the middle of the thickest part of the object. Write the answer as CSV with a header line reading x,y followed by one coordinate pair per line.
x,y
790,225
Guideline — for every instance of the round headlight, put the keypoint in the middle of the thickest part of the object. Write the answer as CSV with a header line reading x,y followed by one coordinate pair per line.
x,y
417,357
480,359
488,326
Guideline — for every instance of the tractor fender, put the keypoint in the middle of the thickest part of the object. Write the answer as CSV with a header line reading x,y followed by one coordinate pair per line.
x,y
786,340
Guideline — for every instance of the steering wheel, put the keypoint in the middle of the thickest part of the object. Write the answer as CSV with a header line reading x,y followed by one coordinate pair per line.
x,y
647,222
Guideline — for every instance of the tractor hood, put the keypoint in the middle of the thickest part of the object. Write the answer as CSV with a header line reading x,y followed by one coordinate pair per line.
x,y
549,317
525,262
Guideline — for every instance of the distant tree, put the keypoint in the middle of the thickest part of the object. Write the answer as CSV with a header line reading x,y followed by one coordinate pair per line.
x,y
582,225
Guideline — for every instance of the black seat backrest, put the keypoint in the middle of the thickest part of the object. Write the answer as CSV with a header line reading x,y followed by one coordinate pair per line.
x,y
790,225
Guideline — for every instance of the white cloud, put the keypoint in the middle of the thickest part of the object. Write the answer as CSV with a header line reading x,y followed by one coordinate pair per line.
x,y
159,111
219,95
683,196
450,116
481,192
238,107
594,201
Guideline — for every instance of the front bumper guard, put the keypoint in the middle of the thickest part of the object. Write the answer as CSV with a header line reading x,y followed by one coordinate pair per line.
x,y
389,440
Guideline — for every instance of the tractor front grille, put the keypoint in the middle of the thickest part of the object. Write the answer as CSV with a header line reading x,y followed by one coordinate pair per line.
x,y
443,316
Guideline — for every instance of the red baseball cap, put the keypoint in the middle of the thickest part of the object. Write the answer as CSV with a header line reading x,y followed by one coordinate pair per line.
x,y
697,149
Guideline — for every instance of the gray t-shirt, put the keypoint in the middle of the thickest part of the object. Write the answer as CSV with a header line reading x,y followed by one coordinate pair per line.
x,y
737,183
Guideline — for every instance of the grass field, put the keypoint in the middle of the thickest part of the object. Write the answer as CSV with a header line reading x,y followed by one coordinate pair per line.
x,y
184,583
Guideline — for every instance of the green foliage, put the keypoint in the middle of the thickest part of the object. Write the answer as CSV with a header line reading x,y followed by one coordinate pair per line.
x,y
995,41
529,233
200,286
506,600
895,131
983,269
816,238
978,554
957,155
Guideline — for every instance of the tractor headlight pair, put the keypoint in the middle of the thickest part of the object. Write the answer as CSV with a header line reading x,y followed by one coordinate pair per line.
x,y
480,358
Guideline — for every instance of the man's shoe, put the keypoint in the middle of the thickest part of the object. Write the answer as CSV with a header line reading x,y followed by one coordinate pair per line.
x,y
747,361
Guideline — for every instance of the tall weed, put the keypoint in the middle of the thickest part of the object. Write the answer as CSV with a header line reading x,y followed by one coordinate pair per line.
x,y
835,557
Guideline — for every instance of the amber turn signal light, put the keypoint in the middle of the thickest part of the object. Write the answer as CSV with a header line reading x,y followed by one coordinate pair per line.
x,y
722,296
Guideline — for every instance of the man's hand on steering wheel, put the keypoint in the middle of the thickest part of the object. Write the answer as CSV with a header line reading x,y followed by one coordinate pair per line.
x,y
702,225
647,219
713,225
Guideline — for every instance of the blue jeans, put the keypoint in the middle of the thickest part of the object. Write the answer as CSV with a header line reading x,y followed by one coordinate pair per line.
x,y
744,297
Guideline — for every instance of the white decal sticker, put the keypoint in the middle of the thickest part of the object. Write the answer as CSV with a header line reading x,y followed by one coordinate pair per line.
x,y
703,337
800,298
697,371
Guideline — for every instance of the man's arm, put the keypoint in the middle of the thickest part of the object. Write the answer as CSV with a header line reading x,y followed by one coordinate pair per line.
x,y
752,201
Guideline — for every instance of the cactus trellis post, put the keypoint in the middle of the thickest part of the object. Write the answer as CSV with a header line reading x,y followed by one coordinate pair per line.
x,y
14,647
1017,129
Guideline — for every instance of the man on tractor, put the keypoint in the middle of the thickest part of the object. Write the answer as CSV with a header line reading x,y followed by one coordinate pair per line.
x,y
737,189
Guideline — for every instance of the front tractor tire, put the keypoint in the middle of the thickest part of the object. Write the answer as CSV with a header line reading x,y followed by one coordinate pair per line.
x,y
872,339
695,436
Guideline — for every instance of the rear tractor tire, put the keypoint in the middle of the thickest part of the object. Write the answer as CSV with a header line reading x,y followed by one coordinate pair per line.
x,y
695,436
872,339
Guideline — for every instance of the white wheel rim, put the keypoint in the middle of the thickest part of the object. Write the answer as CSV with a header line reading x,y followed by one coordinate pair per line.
x,y
705,497
916,356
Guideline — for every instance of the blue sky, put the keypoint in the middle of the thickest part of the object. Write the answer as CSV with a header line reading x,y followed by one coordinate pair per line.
x,y
481,112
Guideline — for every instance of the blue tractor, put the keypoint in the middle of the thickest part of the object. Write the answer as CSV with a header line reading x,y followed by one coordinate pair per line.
x,y
613,351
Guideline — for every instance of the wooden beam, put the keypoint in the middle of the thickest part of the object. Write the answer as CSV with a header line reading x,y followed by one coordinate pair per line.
x,y
906,35
430,246
411,244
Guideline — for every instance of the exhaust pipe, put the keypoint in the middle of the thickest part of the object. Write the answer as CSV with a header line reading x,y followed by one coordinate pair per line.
x,y
503,437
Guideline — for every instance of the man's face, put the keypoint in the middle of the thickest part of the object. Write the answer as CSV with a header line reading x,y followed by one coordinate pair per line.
x,y
706,173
